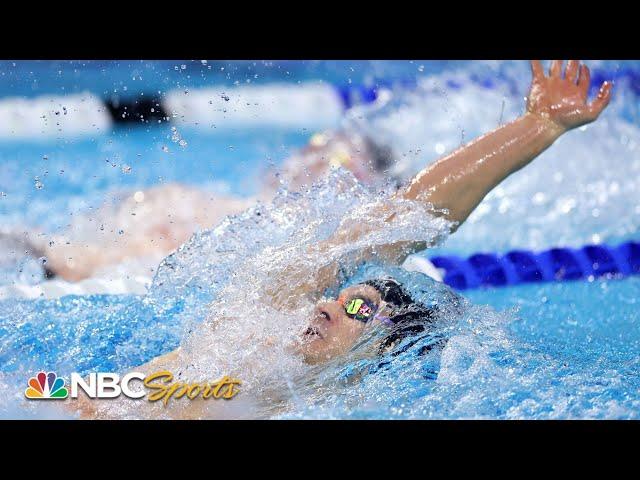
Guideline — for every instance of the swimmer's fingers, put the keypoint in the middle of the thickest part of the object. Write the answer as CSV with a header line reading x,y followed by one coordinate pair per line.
x,y
571,73
536,70
556,68
584,81
602,100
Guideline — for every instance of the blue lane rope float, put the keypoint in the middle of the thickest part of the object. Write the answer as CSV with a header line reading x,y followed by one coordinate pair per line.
x,y
523,266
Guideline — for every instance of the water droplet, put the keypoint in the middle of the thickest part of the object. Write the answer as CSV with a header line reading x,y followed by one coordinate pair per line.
x,y
38,184
182,143
175,136
421,68
225,97
539,198
165,149
126,169
120,232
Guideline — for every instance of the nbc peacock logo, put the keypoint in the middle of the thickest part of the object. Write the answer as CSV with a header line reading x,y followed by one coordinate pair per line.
x,y
46,386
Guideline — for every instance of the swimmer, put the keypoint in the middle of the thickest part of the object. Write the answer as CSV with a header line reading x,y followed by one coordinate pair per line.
x,y
456,184
145,226
366,159
453,187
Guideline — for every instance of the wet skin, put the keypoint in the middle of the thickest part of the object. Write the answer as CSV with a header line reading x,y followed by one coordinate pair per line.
x,y
332,332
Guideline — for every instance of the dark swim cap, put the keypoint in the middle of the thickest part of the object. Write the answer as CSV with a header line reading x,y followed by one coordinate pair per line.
x,y
403,306
410,318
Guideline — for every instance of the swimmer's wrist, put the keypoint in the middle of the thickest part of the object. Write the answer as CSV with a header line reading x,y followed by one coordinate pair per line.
x,y
552,128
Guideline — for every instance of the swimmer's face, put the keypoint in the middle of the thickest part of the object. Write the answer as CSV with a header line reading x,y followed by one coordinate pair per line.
x,y
332,332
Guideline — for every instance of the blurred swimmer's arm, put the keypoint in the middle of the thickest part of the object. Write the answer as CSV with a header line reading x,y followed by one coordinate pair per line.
x,y
158,363
556,104
85,408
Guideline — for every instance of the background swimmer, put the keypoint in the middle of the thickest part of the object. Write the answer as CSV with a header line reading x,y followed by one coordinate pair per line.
x,y
146,225
451,188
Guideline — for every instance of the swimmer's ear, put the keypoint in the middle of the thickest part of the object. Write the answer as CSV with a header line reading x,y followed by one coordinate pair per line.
x,y
602,100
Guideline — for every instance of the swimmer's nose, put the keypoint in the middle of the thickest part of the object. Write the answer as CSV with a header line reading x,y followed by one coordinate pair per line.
x,y
329,311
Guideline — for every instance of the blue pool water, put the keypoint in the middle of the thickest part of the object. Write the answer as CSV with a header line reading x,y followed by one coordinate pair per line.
x,y
76,174
564,350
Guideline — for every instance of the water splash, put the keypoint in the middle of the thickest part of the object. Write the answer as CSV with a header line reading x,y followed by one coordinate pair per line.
x,y
243,277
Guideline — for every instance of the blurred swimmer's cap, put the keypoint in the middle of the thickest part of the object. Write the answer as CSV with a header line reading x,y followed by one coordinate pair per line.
x,y
381,154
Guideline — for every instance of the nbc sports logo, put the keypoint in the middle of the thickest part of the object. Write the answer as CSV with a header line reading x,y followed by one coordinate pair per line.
x,y
46,386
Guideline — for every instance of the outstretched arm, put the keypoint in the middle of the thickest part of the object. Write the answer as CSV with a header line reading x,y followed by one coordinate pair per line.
x,y
556,104
458,182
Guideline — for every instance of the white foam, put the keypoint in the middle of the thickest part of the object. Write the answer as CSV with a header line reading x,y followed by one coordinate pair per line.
x,y
415,263
59,288
310,105
52,116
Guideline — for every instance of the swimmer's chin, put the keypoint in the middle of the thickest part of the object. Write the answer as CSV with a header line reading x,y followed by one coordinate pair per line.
x,y
316,351
306,347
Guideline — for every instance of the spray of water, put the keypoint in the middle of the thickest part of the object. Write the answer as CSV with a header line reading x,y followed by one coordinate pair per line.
x,y
250,284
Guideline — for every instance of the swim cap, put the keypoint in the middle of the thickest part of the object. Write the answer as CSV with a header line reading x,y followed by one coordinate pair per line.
x,y
409,317
403,306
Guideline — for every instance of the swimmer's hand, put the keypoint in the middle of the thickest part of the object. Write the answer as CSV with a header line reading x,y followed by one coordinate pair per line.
x,y
563,99
459,181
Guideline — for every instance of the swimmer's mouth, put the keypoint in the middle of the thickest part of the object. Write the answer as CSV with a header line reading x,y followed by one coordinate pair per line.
x,y
312,331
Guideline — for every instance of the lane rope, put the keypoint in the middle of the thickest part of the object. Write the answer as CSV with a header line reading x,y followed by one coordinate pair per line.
x,y
523,266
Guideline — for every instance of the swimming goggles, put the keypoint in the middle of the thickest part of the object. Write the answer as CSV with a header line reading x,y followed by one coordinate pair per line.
x,y
360,309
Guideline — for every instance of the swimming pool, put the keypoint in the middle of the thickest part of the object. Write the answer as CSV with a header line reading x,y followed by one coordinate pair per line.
x,y
564,350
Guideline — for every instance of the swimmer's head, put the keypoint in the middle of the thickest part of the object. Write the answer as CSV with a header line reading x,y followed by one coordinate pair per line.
x,y
368,160
337,324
